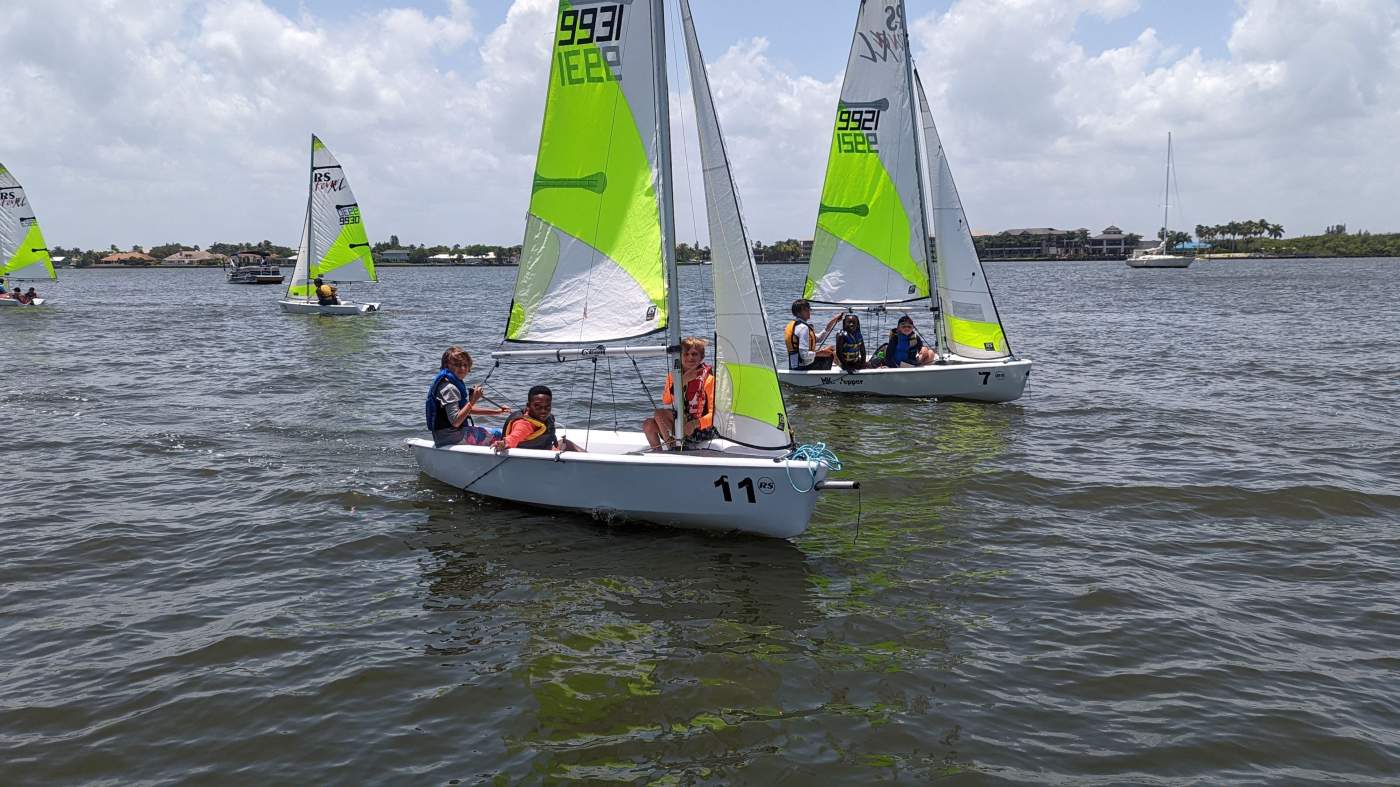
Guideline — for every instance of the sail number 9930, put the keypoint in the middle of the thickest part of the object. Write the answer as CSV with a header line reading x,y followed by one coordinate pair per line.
x,y
586,48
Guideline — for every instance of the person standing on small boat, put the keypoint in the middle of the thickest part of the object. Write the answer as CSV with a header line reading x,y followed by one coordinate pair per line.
x,y
699,381
450,406
802,341
850,344
906,347
533,427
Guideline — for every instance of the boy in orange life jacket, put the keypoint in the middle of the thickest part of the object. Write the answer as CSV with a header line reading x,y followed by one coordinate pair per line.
x,y
699,381
533,427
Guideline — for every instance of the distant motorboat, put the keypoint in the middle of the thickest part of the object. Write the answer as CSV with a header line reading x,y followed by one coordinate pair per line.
x,y
248,267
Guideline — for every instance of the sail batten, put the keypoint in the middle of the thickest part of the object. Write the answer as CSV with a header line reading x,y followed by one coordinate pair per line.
x,y
870,244
749,406
972,326
24,254
592,264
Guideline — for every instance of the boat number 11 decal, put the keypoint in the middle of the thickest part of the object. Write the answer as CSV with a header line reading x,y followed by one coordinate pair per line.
x,y
587,51
747,486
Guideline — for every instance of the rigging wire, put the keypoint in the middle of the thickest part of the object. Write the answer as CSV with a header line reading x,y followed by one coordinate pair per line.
x,y
685,148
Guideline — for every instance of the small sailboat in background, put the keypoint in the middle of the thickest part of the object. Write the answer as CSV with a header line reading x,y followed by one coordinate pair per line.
x,y
598,266
1160,256
871,249
334,245
24,255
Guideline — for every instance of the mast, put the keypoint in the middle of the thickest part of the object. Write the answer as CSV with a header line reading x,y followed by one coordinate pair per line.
x,y
668,217
310,225
920,166
1167,198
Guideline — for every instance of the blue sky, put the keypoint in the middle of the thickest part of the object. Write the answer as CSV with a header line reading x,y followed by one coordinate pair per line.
x,y
812,35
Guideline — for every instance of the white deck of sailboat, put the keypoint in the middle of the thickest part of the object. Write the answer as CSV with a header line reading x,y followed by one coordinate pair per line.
x,y
1160,261
342,309
957,378
13,302
725,487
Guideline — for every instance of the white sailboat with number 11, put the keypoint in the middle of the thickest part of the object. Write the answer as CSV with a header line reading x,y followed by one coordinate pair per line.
x,y
598,265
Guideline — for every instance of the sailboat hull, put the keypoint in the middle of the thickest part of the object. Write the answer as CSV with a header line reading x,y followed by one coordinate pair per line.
x,y
13,302
989,381
342,309
616,479
1160,261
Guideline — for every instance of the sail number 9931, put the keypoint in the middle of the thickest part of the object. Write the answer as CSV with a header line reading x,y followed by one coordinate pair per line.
x,y
586,51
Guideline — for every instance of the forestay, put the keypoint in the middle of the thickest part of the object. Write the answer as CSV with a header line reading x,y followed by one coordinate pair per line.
x,y
334,243
23,252
749,407
972,326
592,264
871,239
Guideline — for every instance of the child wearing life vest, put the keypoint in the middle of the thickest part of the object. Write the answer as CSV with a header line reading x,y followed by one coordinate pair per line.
x,y
850,344
533,427
450,405
699,381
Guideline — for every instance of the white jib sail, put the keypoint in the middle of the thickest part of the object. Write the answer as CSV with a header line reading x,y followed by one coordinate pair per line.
x,y
748,403
340,249
23,252
592,267
871,242
301,286
970,320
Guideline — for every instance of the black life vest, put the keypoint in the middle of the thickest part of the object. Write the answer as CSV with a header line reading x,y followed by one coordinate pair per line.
x,y
434,411
541,438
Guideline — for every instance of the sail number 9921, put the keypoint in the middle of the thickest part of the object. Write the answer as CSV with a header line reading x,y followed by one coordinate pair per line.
x,y
586,48
856,130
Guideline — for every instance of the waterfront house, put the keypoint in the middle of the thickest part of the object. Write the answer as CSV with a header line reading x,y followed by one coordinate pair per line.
x,y
190,258
390,256
127,258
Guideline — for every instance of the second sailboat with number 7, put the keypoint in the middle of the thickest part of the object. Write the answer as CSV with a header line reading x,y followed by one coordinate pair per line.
x,y
334,246
871,250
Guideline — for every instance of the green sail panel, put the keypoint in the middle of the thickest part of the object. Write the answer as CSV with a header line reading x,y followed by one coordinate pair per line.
x,y
592,266
339,249
749,406
870,244
24,254
971,324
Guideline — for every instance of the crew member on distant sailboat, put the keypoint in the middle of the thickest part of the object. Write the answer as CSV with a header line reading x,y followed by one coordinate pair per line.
x,y
850,344
906,347
802,341
325,293
533,427
448,418
699,382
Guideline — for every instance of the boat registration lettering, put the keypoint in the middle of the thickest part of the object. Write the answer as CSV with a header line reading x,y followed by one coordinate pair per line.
x,y
586,52
747,485
857,130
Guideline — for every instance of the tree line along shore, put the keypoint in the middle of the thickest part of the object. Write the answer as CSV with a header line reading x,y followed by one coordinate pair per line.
x,y
1237,239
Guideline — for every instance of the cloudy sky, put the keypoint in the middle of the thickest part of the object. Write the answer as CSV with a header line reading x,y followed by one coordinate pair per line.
x,y
147,121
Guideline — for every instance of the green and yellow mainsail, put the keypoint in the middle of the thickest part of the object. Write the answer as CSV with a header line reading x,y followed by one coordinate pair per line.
x,y
23,252
749,408
971,326
871,238
592,266
334,244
